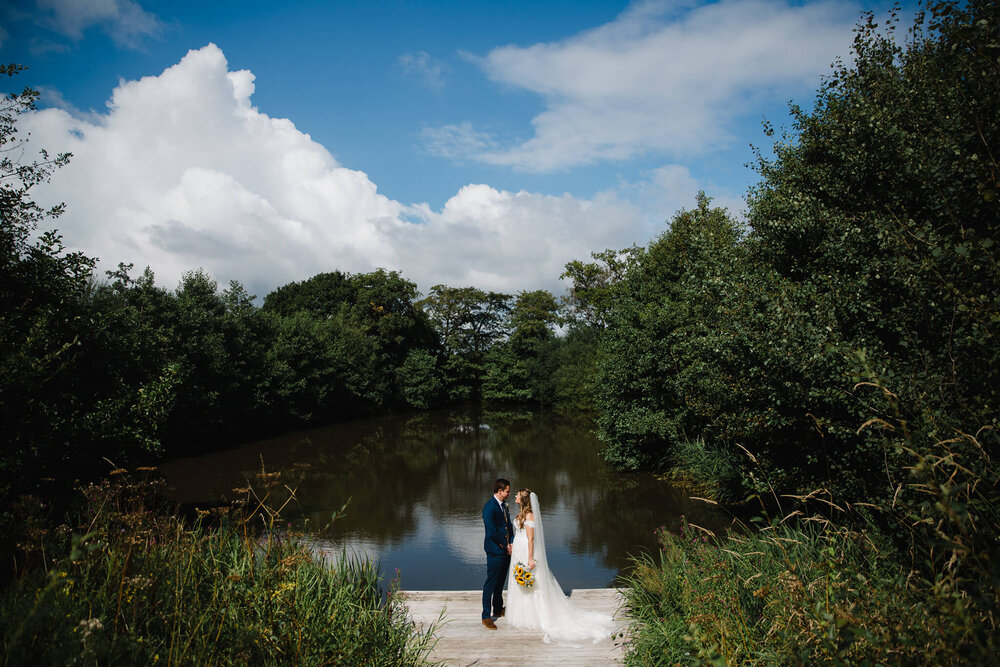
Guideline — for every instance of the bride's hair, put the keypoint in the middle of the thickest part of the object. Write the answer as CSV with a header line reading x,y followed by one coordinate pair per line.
x,y
524,495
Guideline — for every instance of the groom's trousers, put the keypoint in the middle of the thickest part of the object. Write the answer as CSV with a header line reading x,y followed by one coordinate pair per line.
x,y
496,573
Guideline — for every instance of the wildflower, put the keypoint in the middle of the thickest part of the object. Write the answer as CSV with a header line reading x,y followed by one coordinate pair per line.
x,y
90,626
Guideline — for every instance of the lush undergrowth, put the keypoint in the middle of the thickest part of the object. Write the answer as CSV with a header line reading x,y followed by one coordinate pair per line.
x,y
911,581
132,584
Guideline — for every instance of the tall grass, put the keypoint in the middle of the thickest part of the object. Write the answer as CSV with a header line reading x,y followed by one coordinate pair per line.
x,y
909,580
141,586
709,467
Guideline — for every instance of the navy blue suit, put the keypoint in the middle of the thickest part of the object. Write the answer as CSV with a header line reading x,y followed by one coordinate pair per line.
x,y
499,534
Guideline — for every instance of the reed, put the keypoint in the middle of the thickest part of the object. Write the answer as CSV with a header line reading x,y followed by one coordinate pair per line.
x,y
138,585
910,579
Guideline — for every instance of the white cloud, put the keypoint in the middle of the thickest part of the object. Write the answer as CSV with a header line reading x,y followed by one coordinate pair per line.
x,y
41,46
125,21
455,141
666,190
423,67
662,79
183,172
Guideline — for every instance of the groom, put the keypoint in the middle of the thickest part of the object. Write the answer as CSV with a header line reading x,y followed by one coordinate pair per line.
x,y
499,535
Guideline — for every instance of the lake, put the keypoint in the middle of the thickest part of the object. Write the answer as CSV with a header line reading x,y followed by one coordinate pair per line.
x,y
417,483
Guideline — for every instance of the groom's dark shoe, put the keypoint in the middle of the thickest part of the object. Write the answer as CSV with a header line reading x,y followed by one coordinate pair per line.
x,y
501,613
488,622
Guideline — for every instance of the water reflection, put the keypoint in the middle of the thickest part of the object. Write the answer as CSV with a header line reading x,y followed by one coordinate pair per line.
x,y
417,483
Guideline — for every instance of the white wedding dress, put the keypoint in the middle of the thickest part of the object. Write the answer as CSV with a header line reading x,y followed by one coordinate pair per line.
x,y
544,606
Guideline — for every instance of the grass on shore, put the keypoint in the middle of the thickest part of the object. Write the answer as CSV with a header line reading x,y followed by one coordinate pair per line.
x,y
911,580
138,585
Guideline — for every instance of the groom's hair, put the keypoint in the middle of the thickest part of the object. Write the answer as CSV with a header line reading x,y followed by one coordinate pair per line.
x,y
500,484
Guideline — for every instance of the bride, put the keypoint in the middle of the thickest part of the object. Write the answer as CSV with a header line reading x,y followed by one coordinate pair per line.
x,y
543,606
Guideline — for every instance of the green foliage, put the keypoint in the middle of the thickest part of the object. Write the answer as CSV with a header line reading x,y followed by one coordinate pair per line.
x,y
870,256
468,322
864,293
386,311
834,587
574,376
377,321
420,380
663,339
307,366
142,587
591,300
521,368
805,595
533,316
323,295
880,207
507,375
49,412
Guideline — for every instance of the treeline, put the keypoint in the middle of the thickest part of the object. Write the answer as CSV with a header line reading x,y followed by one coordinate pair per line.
x,y
121,366
117,367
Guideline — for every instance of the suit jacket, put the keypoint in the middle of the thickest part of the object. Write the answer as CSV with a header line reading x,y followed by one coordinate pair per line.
x,y
499,530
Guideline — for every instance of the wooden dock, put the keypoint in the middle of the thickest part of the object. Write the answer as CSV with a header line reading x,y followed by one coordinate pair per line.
x,y
462,639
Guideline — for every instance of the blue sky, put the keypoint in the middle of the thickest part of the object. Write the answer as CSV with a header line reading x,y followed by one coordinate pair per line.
x,y
466,143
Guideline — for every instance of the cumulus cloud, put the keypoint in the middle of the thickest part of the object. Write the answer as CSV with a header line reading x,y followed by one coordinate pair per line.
x,y
423,67
662,78
183,172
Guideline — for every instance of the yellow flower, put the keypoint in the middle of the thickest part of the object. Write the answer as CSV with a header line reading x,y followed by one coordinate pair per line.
x,y
523,576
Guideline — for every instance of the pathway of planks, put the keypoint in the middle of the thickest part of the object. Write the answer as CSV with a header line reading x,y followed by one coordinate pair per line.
x,y
462,639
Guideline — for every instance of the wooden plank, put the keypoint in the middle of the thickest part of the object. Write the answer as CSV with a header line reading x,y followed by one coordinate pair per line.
x,y
463,640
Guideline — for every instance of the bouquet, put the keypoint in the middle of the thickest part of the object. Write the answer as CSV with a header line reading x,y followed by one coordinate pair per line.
x,y
523,576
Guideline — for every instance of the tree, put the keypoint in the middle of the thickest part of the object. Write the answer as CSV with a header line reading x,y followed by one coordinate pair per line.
x,y
378,306
533,316
323,295
870,261
468,321
40,290
885,206
71,390
669,301
522,367
591,299
420,380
